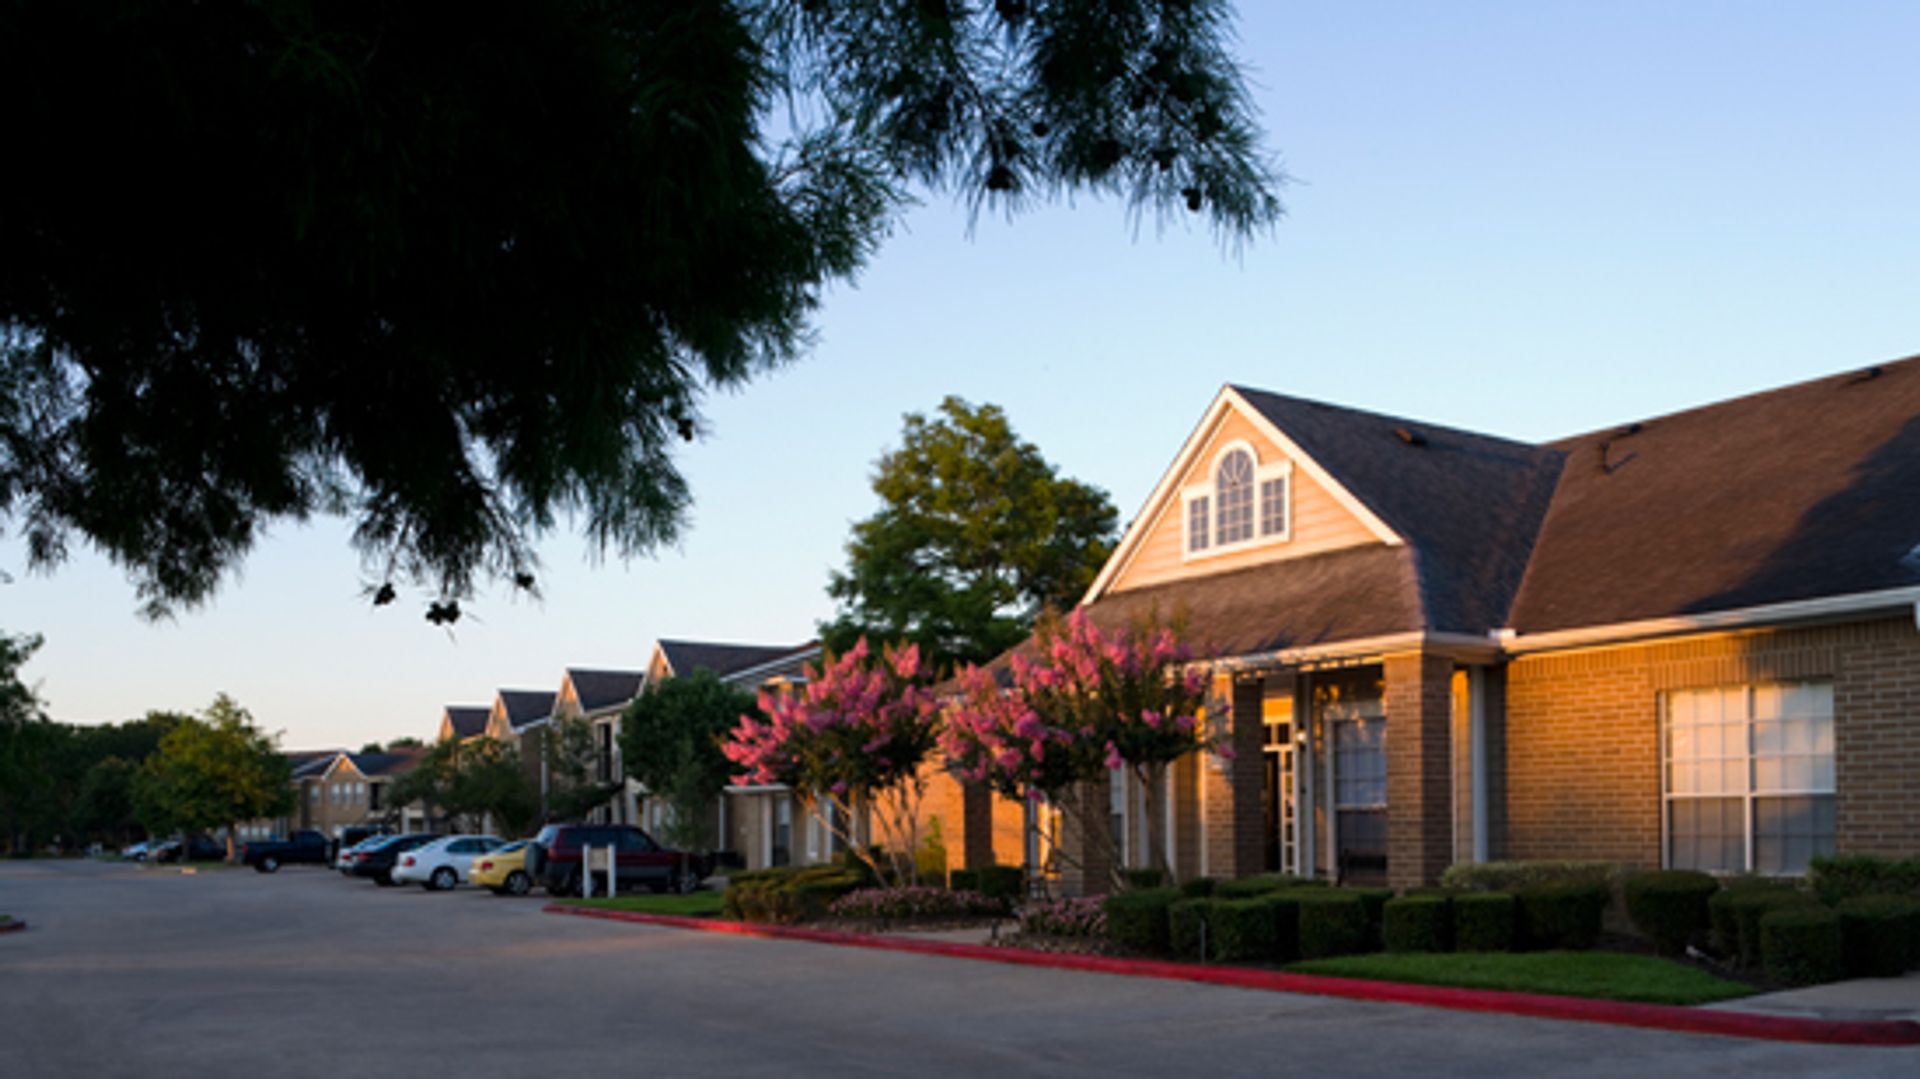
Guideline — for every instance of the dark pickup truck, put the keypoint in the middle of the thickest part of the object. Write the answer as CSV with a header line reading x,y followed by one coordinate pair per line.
x,y
305,845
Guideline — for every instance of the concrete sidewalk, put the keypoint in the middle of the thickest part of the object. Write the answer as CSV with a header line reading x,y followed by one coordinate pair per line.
x,y
1860,998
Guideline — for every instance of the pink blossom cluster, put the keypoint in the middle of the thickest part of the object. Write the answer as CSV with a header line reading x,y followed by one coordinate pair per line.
x,y
857,726
1092,699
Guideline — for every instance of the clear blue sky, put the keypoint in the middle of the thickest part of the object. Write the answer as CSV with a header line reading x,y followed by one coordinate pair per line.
x,y
1527,219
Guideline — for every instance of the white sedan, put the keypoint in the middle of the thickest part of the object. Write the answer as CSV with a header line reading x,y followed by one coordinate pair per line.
x,y
443,863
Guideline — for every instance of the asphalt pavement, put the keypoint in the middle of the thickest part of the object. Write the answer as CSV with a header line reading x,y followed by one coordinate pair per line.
x,y
150,973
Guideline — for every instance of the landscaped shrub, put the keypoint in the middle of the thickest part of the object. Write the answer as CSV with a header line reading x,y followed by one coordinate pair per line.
x,y
787,893
1670,906
1187,933
1843,876
1418,923
1241,929
1198,887
1802,944
1138,920
1083,916
1007,882
1140,880
964,880
1375,902
1877,932
1284,909
1562,915
913,903
1516,875
1754,904
1725,928
1485,922
1333,921
1259,884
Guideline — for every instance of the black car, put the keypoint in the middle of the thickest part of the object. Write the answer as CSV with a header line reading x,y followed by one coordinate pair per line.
x,y
199,848
377,861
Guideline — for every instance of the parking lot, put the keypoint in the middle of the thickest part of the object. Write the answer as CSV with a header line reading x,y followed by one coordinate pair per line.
x,y
134,972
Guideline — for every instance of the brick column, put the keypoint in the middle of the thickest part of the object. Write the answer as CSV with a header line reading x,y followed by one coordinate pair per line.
x,y
1419,768
1231,802
1083,840
975,821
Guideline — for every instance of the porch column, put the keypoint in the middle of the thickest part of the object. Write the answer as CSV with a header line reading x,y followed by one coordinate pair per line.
x,y
1231,788
976,825
1419,768
1085,867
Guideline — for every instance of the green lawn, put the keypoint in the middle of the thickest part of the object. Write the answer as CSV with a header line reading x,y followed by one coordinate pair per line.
x,y
703,904
1602,975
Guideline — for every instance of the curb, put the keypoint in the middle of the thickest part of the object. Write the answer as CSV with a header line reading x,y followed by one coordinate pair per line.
x,y
1882,1032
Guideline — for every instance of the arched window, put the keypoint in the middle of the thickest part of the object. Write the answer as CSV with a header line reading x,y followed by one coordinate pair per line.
x,y
1233,498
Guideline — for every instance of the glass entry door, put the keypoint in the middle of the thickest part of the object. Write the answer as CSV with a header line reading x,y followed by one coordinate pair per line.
x,y
1281,840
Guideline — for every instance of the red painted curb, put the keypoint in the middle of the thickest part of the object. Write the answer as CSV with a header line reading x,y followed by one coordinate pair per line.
x,y
1887,1032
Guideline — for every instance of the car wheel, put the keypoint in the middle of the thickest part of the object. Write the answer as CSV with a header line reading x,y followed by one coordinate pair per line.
x,y
269,864
518,883
443,879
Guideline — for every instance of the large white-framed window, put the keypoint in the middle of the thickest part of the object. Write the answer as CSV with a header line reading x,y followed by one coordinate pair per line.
x,y
1747,777
1242,504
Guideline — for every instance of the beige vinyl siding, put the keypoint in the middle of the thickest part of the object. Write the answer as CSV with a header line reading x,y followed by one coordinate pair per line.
x,y
1319,522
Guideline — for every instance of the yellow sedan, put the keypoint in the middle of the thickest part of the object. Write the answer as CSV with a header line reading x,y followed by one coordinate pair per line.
x,y
503,870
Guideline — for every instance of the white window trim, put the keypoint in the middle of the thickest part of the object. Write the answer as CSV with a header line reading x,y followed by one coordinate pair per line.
x,y
1667,797
1281,468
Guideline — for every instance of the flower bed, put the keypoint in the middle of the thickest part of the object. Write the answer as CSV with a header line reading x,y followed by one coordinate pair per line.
x,y
914,904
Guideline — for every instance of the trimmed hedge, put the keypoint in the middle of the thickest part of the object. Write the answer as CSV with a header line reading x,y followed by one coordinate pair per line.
x,y
1753,905
1724,928
1333,921
1485,922
1138,920
1802,945
994,881
786,893
1186,929
1418,923
1375,902
1564,915
1670,906
1199,887
1878,935
1141,880
1242,929
1260,884
1516,875
1837,877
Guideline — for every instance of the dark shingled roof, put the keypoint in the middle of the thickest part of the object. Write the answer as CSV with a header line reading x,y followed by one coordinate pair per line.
x,y
308,762
1467,504
1802,492
1805,491
687,657
394,762
526,706
604,689
468,720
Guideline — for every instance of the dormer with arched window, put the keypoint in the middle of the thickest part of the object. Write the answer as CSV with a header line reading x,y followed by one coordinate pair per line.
x,y
1246,504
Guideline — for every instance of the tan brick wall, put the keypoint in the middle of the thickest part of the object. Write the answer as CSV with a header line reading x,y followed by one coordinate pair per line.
x,y
1231,802
1582,735
1419,768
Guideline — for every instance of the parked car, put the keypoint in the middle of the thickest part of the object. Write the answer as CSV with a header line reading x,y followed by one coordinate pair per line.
x,y
357,834
504,871
554,859
344,860
136,852
443,863
305,846
199,848
377,861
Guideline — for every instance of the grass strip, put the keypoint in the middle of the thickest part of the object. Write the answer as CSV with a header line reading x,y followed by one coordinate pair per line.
x,y
1595,975
702,904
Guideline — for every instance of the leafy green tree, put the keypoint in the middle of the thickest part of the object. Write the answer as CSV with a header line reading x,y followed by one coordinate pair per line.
x,y
28,741
976,535
573,783
104,803
670,739
471,782
213,771
456,275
